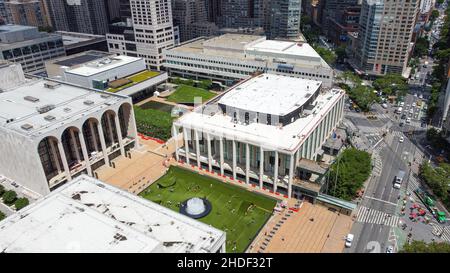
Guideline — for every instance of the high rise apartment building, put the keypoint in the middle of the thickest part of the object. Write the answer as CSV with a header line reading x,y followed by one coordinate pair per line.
x,y
86,16
27,12
385,32
151,30
284,19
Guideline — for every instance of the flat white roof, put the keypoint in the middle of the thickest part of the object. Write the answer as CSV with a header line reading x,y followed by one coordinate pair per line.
x,y
271,94
103,64
284,47
284,139
69,103
87,215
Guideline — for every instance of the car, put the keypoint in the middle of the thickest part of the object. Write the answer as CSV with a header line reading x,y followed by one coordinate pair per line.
x,y
349,240
402,104
403,116
358,110
423,125
384,105
401,139
408,120
401,124
413,104
390,249
411,111
420,96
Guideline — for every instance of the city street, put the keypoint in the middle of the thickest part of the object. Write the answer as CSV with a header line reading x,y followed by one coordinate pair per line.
x,y
378,222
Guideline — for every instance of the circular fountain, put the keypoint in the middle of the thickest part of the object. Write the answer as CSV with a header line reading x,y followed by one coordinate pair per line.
x,y
195,207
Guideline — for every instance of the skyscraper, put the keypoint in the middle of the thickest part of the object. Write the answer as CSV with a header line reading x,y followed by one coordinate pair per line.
x,y
284,19
191,17
385,31
27,12
241,13
87,16
330,10
151,31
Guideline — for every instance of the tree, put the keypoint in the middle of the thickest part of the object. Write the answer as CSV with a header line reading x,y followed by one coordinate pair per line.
x,y
348,173
326,54
434,15
364,96
422,247
2,216
421,47
391,84
340,53
21,203
2,190
9,197
437,179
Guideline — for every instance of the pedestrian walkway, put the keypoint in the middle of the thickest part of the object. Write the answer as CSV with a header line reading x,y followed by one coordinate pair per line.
x,y
398,134
413,183
442,232
371,216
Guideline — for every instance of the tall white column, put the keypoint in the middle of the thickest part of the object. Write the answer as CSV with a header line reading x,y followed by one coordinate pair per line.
x,y
221,155
197,148
275,173
119,134
175,137
85,153
186,145
74,144
94,135
103,143
247,163
234,159
54,155
208,139
134,128
62,154
291,175
261,166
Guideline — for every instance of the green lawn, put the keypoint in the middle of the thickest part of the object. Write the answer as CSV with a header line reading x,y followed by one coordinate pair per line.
x,y
186,94
237,211
154,123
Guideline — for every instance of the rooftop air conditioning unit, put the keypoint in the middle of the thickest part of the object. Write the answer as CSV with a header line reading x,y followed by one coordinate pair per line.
x,y
27,126
105,96
51,85
31,98
67,109
49,118
45,108
88,102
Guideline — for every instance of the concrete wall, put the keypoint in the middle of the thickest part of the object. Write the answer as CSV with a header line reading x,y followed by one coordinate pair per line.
x,y
20,161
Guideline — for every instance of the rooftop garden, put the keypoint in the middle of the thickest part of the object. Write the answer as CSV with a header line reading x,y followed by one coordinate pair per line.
x,y
131,80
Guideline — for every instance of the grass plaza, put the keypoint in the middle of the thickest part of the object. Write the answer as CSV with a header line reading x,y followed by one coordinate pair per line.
x,y
237,211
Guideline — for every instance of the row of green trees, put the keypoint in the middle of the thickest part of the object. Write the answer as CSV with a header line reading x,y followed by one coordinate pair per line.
x,y
10,197
441,53
363,95
348,174
153,123
438,180
422,247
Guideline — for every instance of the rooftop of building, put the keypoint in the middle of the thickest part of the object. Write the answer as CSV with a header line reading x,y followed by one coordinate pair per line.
x,y
87,215
75,38
271,94
39,106
209,119
14,28
100,64
248,47
81,58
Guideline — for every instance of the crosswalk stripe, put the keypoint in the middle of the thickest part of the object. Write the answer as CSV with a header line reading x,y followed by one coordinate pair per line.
x,y
376,217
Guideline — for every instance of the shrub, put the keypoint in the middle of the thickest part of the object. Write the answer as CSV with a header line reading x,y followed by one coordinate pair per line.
x,y
21,203
9,197
2,190
2,216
